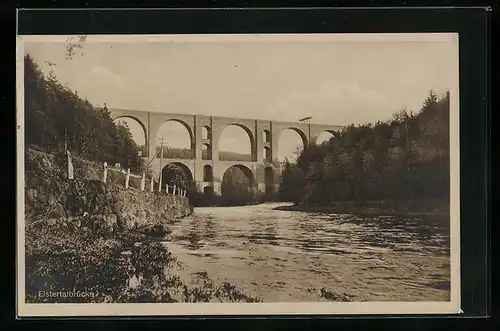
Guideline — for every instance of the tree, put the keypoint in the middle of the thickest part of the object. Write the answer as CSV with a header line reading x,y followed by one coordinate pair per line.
x,y
173,174
406,157
237,188
292,183
56,117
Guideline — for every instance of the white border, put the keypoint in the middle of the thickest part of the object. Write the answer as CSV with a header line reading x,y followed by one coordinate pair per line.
x,y
288,308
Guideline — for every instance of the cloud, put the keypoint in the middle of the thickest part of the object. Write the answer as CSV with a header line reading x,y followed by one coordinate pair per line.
x,y
104,76
336,102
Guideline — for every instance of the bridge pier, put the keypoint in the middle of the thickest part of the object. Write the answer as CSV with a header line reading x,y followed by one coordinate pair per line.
x,y
217,186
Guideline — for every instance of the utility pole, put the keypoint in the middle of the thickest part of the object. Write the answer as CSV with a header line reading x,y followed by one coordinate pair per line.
x,y
161,165
309,127
65,140
308,119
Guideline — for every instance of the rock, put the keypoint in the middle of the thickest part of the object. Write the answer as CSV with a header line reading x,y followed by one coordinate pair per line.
x,y
31,195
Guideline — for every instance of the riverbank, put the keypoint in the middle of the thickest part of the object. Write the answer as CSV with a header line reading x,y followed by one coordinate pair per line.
x,y
85,236
368,210
111,266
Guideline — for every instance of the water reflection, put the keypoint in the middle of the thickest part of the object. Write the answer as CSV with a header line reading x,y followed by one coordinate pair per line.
x,y
342,248
334,233
197,232
262,233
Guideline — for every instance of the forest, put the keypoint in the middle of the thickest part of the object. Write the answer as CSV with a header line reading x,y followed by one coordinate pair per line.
x,y
56,118
402,159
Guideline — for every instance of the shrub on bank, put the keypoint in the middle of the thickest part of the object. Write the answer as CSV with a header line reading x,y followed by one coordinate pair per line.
x,y
82,256
71,257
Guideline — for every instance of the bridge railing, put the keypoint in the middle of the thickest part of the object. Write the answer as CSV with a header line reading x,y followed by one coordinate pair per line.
x,y
173,190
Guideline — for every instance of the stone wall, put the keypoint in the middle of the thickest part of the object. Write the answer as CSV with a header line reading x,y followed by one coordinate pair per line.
x,y
51,196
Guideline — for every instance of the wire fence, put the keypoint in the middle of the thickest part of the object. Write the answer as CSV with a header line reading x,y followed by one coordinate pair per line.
x,y
169,189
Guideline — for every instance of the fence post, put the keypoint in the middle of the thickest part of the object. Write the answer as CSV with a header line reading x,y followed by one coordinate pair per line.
x,y
185,193
166,189
143,181
152,184
105,173
174,190
70,166
127,178
159,182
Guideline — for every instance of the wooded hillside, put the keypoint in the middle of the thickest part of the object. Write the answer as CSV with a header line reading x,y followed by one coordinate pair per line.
x,y
56,115
406,158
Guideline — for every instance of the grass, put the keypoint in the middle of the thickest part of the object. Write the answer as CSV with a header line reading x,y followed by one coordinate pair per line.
x,y
85,257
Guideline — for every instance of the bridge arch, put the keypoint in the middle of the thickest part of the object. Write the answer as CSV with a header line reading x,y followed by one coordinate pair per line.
x,y
301,133
116,118
177,173
249,173
289,140
206,132
250,137
208,175
208,191
326,135
236,191
163,127
206,151
266,136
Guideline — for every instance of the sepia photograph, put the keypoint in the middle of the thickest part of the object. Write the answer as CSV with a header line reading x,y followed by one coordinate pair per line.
x,y
238,174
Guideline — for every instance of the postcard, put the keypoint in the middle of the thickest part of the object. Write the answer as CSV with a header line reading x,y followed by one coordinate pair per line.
x,y
266,174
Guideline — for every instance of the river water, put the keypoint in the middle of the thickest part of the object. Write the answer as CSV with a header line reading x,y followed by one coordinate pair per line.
x,y
304,256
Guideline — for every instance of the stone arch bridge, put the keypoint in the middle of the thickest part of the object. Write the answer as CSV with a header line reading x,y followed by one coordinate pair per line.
x,y
264,168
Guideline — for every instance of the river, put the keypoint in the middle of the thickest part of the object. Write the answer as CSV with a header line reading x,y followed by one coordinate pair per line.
x,y
304,256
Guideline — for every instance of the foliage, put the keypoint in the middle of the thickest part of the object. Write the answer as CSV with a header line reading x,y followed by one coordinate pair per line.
x,y
55,115
236,188
406,158
209,291
173,174
174,153
85,258
232,156
292,182
185,153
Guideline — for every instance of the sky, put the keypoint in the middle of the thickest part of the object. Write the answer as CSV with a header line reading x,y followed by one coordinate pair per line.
x,y
335,79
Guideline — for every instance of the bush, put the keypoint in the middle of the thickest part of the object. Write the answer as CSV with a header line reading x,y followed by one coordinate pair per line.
x,y
67,258
78,256
83,256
